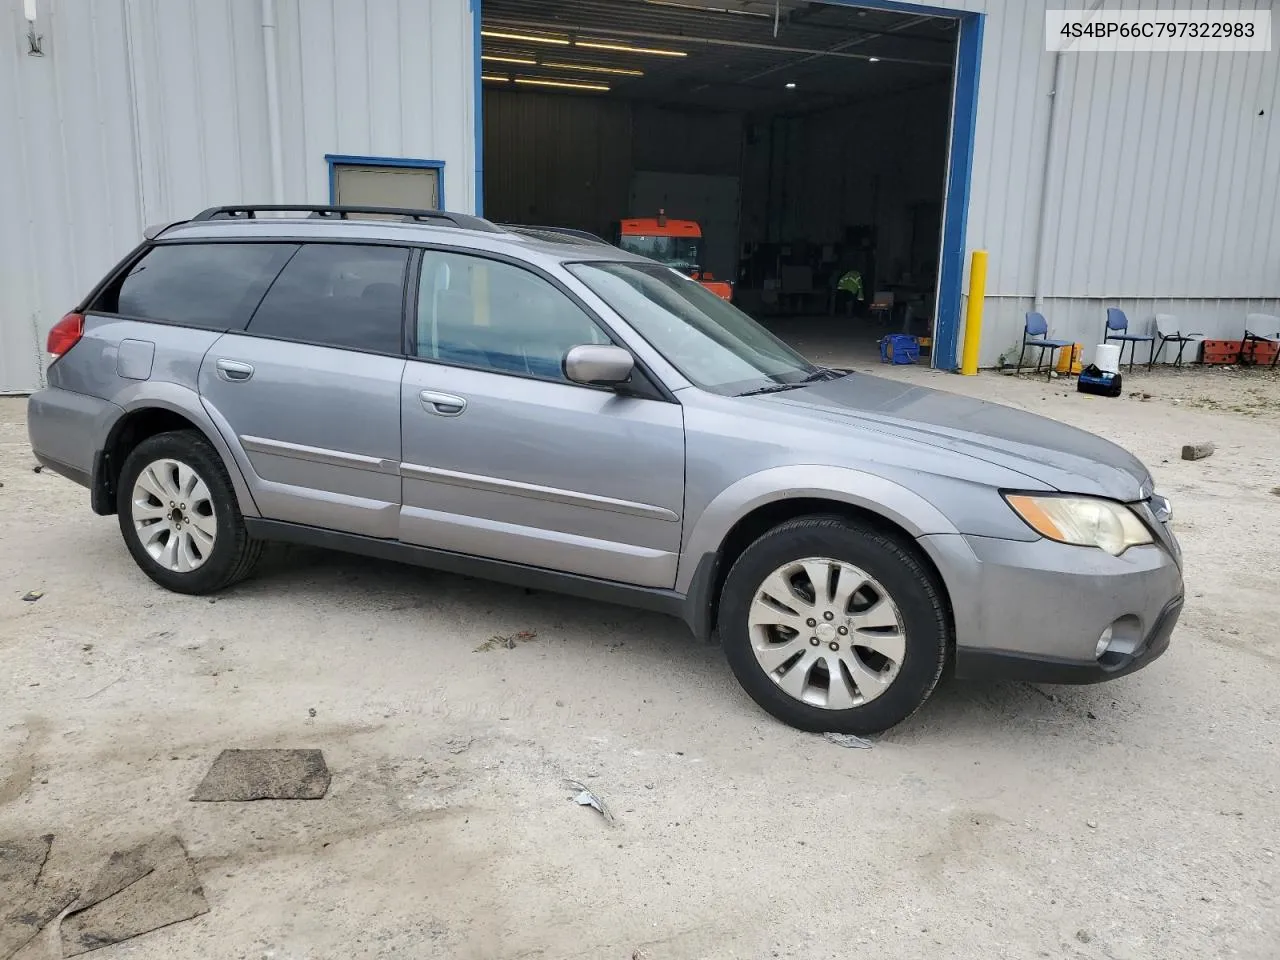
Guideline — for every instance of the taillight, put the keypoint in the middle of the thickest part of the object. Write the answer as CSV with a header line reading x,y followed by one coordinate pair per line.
x,y
66,333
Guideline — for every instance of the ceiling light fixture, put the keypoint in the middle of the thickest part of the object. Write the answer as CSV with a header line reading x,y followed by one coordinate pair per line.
x,y
623,48
567,84
500,58
791,86
592,68
496,77
873,59
529,37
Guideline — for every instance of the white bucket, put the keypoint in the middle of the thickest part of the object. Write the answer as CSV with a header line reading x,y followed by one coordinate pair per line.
x,y
1106,357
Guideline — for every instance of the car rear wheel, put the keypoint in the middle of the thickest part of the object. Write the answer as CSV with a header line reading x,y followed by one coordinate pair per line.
x,y
179,517
832,626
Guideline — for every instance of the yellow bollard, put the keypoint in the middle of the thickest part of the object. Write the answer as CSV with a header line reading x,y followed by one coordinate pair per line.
x,y
973,313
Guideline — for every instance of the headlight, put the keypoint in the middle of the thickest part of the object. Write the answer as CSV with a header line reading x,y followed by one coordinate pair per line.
x,y
1083,521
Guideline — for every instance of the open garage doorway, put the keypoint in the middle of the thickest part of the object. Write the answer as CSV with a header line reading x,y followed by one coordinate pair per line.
x,y
821,150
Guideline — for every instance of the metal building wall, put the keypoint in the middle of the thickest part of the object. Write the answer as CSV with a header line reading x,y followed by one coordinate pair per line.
x,y
1161,181
144,111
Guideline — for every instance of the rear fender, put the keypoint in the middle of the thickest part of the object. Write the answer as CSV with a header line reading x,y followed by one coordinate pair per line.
x,y
154,394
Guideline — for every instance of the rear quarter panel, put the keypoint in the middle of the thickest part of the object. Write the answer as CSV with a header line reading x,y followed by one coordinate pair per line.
x,y
93,369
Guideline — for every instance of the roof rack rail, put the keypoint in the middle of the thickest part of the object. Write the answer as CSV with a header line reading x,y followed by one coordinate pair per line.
x,y
567,233
327,211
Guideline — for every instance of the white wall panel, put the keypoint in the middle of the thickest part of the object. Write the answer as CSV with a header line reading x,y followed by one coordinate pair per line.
x,y
1163,174
143,111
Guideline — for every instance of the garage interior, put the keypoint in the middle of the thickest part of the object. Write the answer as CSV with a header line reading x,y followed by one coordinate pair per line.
x,y
808,140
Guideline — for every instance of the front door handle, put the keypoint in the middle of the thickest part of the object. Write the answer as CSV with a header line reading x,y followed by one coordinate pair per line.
x,y
442,404
233,371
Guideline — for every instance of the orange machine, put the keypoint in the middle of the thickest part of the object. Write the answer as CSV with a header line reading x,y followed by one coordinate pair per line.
x,y
677,243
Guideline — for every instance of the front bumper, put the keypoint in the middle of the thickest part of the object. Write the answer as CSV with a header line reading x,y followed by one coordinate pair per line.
x,y
1035,610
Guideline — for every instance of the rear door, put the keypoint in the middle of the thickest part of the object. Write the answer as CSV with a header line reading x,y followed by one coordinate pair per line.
x,y
310,391
505,458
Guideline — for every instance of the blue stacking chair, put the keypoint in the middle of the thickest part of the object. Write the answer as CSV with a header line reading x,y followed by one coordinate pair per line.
x,y
1118,329
1035,333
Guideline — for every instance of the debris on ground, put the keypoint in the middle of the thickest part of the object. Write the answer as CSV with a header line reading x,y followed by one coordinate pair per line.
x,y
848,740
37,468
265,775
1197,451
586,798
139,890
31,596
506,642
311,711
1275,491
29,900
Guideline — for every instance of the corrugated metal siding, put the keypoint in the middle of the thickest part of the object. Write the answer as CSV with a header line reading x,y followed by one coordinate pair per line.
x,y
390,78
143,111
1162,188
555,159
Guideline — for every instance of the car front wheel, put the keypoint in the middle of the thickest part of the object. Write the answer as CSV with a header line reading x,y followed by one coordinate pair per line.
x,y
833,626
179,517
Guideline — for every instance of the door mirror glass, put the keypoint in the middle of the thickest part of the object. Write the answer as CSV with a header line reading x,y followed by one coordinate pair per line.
x,y
598,364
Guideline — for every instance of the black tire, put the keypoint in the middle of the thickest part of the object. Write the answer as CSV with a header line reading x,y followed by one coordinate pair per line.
x,y
912,586
234,552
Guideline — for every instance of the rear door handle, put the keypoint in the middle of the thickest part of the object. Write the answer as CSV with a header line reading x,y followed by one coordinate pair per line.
x,y
442,404
233,371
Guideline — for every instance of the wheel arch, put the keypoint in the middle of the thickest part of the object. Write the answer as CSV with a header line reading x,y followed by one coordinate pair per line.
x,y
163,408
747,509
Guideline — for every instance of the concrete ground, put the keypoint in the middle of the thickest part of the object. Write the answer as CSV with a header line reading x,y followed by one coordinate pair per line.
x,y
1138,819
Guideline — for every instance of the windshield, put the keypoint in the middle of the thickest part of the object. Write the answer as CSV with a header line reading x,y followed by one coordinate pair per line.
x,y
682,253
707,339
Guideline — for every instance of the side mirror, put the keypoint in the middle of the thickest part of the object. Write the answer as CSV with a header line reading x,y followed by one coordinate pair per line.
x,y
599,364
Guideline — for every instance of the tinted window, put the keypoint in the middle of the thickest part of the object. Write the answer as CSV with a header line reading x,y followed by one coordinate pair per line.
x,y
492,315
211,285
340,295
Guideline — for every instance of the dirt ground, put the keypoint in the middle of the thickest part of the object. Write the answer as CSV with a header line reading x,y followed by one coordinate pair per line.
x,y
1138,819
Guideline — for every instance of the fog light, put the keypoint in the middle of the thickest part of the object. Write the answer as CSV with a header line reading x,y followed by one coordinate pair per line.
x,y
1104,641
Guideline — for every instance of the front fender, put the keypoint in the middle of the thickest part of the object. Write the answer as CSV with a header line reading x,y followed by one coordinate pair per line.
x,y
875,494
174,397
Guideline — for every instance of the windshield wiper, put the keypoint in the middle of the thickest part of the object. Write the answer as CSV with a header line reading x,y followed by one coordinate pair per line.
x,y
772,388
821,373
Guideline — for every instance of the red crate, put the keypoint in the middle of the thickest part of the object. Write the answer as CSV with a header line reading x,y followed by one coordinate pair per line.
x,y
1261,353
1221,351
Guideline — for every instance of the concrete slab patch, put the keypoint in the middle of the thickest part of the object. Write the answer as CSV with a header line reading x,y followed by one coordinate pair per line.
x,y
21,862
30,915
165,890
28,901
265,775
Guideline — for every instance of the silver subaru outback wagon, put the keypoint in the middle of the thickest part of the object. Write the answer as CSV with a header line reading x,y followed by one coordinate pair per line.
x,y
541,408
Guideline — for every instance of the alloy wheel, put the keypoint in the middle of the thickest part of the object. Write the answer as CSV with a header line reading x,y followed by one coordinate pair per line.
x,y
827,633
173,515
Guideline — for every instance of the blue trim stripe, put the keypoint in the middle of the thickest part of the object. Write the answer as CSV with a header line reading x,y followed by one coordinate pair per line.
x,y
479,106
946,334
338,159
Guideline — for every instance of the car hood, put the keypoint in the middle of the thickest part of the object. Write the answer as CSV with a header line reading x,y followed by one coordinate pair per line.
x,y
1063,457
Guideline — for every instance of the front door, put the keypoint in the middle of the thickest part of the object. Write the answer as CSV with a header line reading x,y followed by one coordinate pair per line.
x,y
505,458
311,390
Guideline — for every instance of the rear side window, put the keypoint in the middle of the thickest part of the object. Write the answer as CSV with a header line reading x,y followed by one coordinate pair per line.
x,y
209,285
339,295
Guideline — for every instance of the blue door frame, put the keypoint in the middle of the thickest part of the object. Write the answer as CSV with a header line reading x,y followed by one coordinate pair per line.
x,y
955,213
